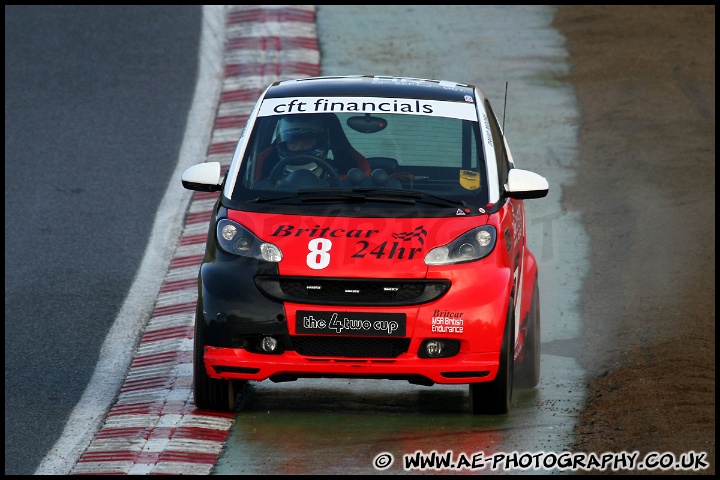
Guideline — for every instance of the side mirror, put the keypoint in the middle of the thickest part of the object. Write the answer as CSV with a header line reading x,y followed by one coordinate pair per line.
x,y
523,184
203,177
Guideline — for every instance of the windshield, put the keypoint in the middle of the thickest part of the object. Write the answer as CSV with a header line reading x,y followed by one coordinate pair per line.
x,y
362,152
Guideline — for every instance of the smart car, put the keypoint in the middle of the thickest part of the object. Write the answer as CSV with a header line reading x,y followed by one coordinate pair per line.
x,y
368,227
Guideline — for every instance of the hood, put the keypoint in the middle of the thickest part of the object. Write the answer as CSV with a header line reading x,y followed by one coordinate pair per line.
x,y
354,247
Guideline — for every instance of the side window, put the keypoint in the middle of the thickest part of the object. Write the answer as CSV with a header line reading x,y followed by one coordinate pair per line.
x,y
260,139
503,165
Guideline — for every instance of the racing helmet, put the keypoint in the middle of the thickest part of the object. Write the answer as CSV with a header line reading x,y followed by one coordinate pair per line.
x,y
302,127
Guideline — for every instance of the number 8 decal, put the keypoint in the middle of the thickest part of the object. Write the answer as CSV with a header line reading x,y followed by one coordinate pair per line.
x,y
319,258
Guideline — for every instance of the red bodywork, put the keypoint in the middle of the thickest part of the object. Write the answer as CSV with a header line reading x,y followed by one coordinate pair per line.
x,y
473,310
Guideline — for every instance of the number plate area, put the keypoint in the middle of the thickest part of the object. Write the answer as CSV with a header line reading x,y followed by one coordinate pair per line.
x,y
351,323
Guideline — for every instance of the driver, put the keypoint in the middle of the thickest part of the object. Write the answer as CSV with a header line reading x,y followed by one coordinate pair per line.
x,y
312,135
302,135
297,135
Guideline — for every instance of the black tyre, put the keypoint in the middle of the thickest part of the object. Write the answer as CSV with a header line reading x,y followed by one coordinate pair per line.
x,y
527,374
493,398
209,393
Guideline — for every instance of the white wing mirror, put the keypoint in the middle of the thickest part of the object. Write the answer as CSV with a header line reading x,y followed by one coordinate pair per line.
x,y
522,184
203,177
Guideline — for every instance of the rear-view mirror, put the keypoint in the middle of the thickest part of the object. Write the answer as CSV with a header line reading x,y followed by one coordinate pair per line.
x,y
367,123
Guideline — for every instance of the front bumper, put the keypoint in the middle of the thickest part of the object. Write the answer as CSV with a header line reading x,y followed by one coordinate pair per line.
x,y
230,363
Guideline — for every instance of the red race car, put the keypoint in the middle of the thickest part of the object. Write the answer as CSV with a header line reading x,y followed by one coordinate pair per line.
x,y
368,227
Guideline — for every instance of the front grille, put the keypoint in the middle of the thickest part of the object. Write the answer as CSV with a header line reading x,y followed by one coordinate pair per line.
x,y
378,291
336,291
350,347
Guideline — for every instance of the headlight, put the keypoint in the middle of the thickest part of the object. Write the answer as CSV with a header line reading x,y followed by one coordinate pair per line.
x,y
238,240
468,247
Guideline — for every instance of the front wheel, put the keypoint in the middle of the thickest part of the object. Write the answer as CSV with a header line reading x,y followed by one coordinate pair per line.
x,y
210,393
528,372
493,398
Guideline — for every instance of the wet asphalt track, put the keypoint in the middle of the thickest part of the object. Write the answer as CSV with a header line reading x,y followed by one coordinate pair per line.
x,y
339,426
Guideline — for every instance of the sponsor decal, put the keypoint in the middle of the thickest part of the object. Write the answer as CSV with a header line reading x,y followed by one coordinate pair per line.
x,y
376,105
386,251
418,233
514,233
320,244
447,321
488,133
393,250
322,232
351,323
517,224
469,180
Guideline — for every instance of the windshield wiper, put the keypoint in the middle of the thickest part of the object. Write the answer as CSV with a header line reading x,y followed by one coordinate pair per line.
x,y
412,197
275,198
361,195
354,195
422,197
445,201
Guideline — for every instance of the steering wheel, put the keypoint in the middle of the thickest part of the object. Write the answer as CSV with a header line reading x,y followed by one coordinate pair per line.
x,y
302,159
